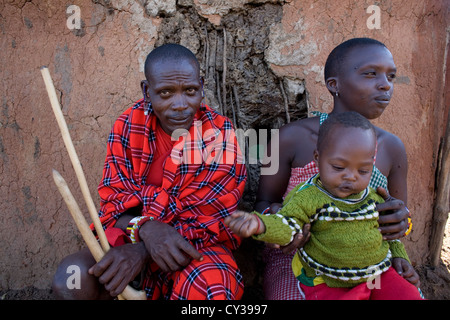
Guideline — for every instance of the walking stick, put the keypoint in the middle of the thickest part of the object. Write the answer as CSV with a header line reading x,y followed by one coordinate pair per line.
x,y
129,292
97,252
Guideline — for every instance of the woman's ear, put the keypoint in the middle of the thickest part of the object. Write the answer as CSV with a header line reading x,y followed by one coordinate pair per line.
x,y
332,85
144,87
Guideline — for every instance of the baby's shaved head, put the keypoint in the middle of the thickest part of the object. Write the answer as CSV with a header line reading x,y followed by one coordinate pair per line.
x,y
349,119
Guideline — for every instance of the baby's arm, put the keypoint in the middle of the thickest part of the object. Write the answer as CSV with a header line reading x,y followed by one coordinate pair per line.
x,y
278,228
273,228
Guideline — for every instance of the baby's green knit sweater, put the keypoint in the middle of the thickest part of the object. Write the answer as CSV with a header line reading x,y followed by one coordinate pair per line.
x,y
346,247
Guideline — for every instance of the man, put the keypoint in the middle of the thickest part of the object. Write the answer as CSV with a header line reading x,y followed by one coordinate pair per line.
x,y
170,205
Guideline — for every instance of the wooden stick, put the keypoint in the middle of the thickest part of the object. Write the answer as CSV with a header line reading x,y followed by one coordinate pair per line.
x,y
95,249
441,206
74,158
129,293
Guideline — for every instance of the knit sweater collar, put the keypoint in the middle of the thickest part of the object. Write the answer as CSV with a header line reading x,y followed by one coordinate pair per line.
x,y
352,199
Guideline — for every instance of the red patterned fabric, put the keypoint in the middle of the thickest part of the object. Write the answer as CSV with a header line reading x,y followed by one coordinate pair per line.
x,y
388,286
217,277
196,193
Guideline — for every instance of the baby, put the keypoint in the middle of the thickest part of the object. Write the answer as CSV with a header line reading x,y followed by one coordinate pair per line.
x,y
346,248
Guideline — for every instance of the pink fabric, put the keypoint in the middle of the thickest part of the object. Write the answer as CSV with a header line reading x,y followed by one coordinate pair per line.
x,y
301,174
279,280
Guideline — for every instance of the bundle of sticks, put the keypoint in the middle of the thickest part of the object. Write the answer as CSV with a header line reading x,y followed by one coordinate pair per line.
x,y
97,249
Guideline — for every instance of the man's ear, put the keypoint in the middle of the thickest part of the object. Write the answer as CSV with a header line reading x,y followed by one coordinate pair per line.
x,y
144,88
332,85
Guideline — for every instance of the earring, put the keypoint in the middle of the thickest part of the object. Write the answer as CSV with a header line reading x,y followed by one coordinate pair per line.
x,y
337,94
148,109
202,105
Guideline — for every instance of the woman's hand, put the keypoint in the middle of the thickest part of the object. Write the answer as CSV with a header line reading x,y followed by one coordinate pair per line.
x,y
394,222
406,270
300,239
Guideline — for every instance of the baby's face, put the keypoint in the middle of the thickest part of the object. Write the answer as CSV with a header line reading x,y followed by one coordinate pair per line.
x,y
346,161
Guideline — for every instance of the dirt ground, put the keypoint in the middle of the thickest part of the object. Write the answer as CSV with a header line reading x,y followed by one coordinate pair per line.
x,y
435,282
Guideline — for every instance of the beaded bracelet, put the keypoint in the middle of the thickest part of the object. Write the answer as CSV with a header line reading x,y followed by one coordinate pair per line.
x,y
409,223
259,225
134,225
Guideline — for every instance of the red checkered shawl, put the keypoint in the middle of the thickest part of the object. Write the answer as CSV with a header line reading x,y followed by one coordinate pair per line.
x,y
194,196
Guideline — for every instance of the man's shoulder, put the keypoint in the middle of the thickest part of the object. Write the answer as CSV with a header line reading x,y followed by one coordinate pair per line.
x,y
221,121
137,110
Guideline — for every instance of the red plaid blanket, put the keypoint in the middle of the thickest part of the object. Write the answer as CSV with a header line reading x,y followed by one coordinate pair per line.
x,y
196,192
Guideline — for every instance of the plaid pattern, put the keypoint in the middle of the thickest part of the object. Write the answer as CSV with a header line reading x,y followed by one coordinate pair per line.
x,y
217,277
378,179
194,198
300,175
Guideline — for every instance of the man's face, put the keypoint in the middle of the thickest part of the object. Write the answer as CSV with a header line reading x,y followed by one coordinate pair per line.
x,y
174,89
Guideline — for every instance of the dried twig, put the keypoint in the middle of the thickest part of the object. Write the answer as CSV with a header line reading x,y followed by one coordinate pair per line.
x,y
224,73
286,105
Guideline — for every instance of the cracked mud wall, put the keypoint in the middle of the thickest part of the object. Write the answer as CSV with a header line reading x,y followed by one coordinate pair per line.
x,y
263,66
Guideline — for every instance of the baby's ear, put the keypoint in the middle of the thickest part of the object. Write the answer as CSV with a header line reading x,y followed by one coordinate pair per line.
x,y
316,157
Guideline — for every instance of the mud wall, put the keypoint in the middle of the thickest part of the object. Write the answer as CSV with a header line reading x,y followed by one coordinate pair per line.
x,y
263,66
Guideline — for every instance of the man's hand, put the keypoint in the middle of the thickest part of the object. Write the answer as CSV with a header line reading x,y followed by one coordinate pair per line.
x,y
167,247
406,270
119,266
393,225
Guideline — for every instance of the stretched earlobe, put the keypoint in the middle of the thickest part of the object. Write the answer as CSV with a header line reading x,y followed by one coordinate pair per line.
x,y
144,88
203,86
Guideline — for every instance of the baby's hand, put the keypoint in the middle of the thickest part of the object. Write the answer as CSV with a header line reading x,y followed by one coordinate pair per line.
x,y
245,224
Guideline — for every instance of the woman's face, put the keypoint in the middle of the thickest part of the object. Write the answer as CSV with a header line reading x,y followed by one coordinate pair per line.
x,y
365,82
175,92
